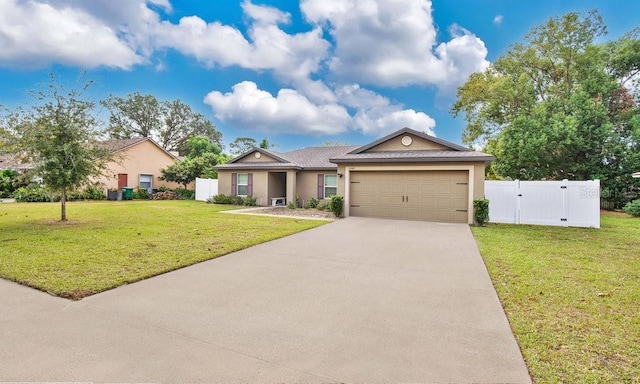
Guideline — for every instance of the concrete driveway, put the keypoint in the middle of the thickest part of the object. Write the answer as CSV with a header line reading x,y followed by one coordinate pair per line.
x,y
358,300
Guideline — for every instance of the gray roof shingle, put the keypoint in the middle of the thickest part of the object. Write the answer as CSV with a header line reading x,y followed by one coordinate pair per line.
x,y
423,156
305,158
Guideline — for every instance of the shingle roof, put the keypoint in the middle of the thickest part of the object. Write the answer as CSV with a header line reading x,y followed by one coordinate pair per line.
x,y
305,158
120,144
317,157
422,156
320,158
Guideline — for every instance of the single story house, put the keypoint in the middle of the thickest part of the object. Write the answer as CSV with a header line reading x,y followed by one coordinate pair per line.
x,y
137,163
404,175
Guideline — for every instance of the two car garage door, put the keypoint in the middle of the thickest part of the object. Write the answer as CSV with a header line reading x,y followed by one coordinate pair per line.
x,y
412,195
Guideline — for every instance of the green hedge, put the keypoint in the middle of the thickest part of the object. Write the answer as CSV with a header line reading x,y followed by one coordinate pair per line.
x,y
232,200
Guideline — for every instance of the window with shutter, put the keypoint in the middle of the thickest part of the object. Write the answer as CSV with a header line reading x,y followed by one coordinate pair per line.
x,y
330,185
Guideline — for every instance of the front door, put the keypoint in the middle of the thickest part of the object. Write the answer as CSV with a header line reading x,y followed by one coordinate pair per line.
x,y
122,180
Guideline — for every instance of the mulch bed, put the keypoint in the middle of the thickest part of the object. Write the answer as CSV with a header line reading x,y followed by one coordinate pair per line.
x,y
298,212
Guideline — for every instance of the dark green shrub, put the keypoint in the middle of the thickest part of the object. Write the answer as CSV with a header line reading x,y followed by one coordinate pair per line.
x,y
232,200
93,192
291,205
632,208
141,194
250,201
35,194
323,206
481,212
220,199
185,194
7,178
311,203
336,205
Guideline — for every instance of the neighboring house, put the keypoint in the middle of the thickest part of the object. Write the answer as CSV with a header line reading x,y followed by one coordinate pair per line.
x,y
13,163
405,175
137,163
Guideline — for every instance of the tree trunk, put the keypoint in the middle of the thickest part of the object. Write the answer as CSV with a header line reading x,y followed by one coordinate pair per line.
x,y
63,202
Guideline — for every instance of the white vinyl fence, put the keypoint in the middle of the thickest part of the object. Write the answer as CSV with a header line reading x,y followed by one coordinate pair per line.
x,y
563,203
205,188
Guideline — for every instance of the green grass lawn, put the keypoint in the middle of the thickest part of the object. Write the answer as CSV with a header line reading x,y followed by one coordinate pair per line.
x,y
107,244
572,296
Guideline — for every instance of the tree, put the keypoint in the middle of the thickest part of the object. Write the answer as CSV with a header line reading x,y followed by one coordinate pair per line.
x,y
170,123
202,156
199,145
265,144
59,135
559,105
242,144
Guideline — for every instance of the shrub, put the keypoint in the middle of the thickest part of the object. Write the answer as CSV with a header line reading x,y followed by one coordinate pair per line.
x,y
291,205
481,211
311,203
35,194
93,192
633,208
186,194
336,205
140,193
323,206
232,200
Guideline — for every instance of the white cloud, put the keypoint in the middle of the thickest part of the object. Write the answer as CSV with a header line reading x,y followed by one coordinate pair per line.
x,y
498,19
36,34
378,124
249,108
394,43
376,115
265,14
292,57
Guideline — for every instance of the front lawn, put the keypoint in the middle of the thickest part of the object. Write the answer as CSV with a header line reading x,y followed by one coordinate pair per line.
x,y
107,244
572,296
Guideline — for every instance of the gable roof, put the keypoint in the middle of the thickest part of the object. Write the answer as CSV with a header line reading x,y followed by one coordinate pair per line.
x,y
327,158
117,145
454,152
405,130
310,158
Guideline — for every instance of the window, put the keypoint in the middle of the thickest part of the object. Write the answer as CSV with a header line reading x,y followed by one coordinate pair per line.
x,y
330,185
146,182
243,184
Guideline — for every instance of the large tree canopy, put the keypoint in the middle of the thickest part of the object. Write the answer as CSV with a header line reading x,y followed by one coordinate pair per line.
x,y
559,105
170,123
60,136
202,156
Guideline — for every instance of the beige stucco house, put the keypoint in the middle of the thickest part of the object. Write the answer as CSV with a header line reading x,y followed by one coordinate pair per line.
x,y
137,164
404,175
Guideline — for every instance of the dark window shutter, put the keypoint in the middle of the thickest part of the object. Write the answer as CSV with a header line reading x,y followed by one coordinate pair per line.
x,y
250,184
320,186
234,184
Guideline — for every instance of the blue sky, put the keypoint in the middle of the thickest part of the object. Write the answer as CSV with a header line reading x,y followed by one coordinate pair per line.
x,y
299,73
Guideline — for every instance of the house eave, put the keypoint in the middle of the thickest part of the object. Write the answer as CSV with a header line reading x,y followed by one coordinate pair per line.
x,y
486,159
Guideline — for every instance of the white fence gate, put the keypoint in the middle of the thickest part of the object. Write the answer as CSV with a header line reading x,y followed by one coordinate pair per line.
x,y
205,188
563,203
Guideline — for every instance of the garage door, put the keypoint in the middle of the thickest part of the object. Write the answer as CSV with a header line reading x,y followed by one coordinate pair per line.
x,y
412,195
